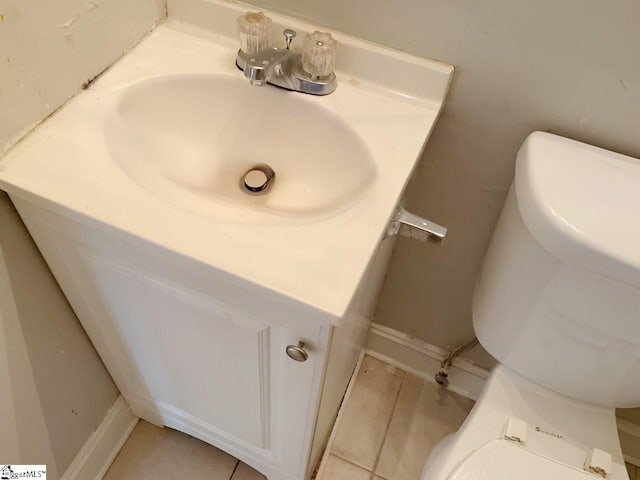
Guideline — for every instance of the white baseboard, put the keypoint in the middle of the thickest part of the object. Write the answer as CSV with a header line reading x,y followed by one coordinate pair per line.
x,y
423,359
100,449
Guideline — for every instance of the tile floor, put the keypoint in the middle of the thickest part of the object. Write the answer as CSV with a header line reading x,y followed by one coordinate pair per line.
x,y
390,423
152,453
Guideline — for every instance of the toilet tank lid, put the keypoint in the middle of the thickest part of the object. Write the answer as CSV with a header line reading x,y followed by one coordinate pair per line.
x,y
581,203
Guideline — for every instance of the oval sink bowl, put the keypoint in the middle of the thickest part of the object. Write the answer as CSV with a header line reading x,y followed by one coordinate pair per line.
x,y
189,139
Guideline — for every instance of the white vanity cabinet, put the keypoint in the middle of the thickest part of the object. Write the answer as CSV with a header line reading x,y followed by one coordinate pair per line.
x,y
200,351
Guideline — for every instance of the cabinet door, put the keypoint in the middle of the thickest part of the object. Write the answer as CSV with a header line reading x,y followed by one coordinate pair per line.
x,y
197,357
187,359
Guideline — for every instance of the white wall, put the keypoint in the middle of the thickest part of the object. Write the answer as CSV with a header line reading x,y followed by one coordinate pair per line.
x,y
55,389
569,67
48,49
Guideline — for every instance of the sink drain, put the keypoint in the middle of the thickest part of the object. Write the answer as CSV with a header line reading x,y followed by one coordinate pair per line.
x,y
257,179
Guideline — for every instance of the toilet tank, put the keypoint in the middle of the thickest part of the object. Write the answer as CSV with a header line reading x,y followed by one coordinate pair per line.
x,y
558,296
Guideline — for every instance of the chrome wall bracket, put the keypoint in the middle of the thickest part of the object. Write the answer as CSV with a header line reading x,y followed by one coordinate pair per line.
x,y
410,225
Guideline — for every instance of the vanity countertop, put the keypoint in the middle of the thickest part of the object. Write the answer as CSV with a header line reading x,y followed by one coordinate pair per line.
x,y
66,164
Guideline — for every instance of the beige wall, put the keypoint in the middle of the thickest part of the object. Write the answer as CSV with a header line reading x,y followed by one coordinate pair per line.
x,y
568,67
55,390
50,48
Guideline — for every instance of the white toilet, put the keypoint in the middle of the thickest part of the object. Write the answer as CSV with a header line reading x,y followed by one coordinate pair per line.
x,y
558,304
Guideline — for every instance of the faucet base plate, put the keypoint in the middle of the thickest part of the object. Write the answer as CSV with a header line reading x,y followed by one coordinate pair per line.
x,y
297,79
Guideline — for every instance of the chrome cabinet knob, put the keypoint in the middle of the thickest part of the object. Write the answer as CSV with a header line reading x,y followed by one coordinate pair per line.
x,y
297,352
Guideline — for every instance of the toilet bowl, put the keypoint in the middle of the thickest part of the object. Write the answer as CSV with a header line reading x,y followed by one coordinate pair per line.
x,y
557,303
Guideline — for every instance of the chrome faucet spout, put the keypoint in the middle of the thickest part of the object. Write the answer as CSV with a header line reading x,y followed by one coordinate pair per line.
x,y
263,66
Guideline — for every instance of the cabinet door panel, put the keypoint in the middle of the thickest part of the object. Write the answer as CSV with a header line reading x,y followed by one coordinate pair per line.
x,y
193,354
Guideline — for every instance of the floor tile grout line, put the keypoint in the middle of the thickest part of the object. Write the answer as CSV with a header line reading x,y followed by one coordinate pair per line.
x,y
233,472
386,431
351,462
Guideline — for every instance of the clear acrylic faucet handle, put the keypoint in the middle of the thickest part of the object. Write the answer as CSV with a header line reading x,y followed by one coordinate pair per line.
x,y
319,55
254,30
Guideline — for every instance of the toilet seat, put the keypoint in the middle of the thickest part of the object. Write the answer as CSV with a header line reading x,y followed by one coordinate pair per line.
x,y
557,436
505,460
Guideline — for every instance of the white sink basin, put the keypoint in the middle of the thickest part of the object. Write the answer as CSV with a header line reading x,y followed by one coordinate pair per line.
x,y
190,138
154,150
